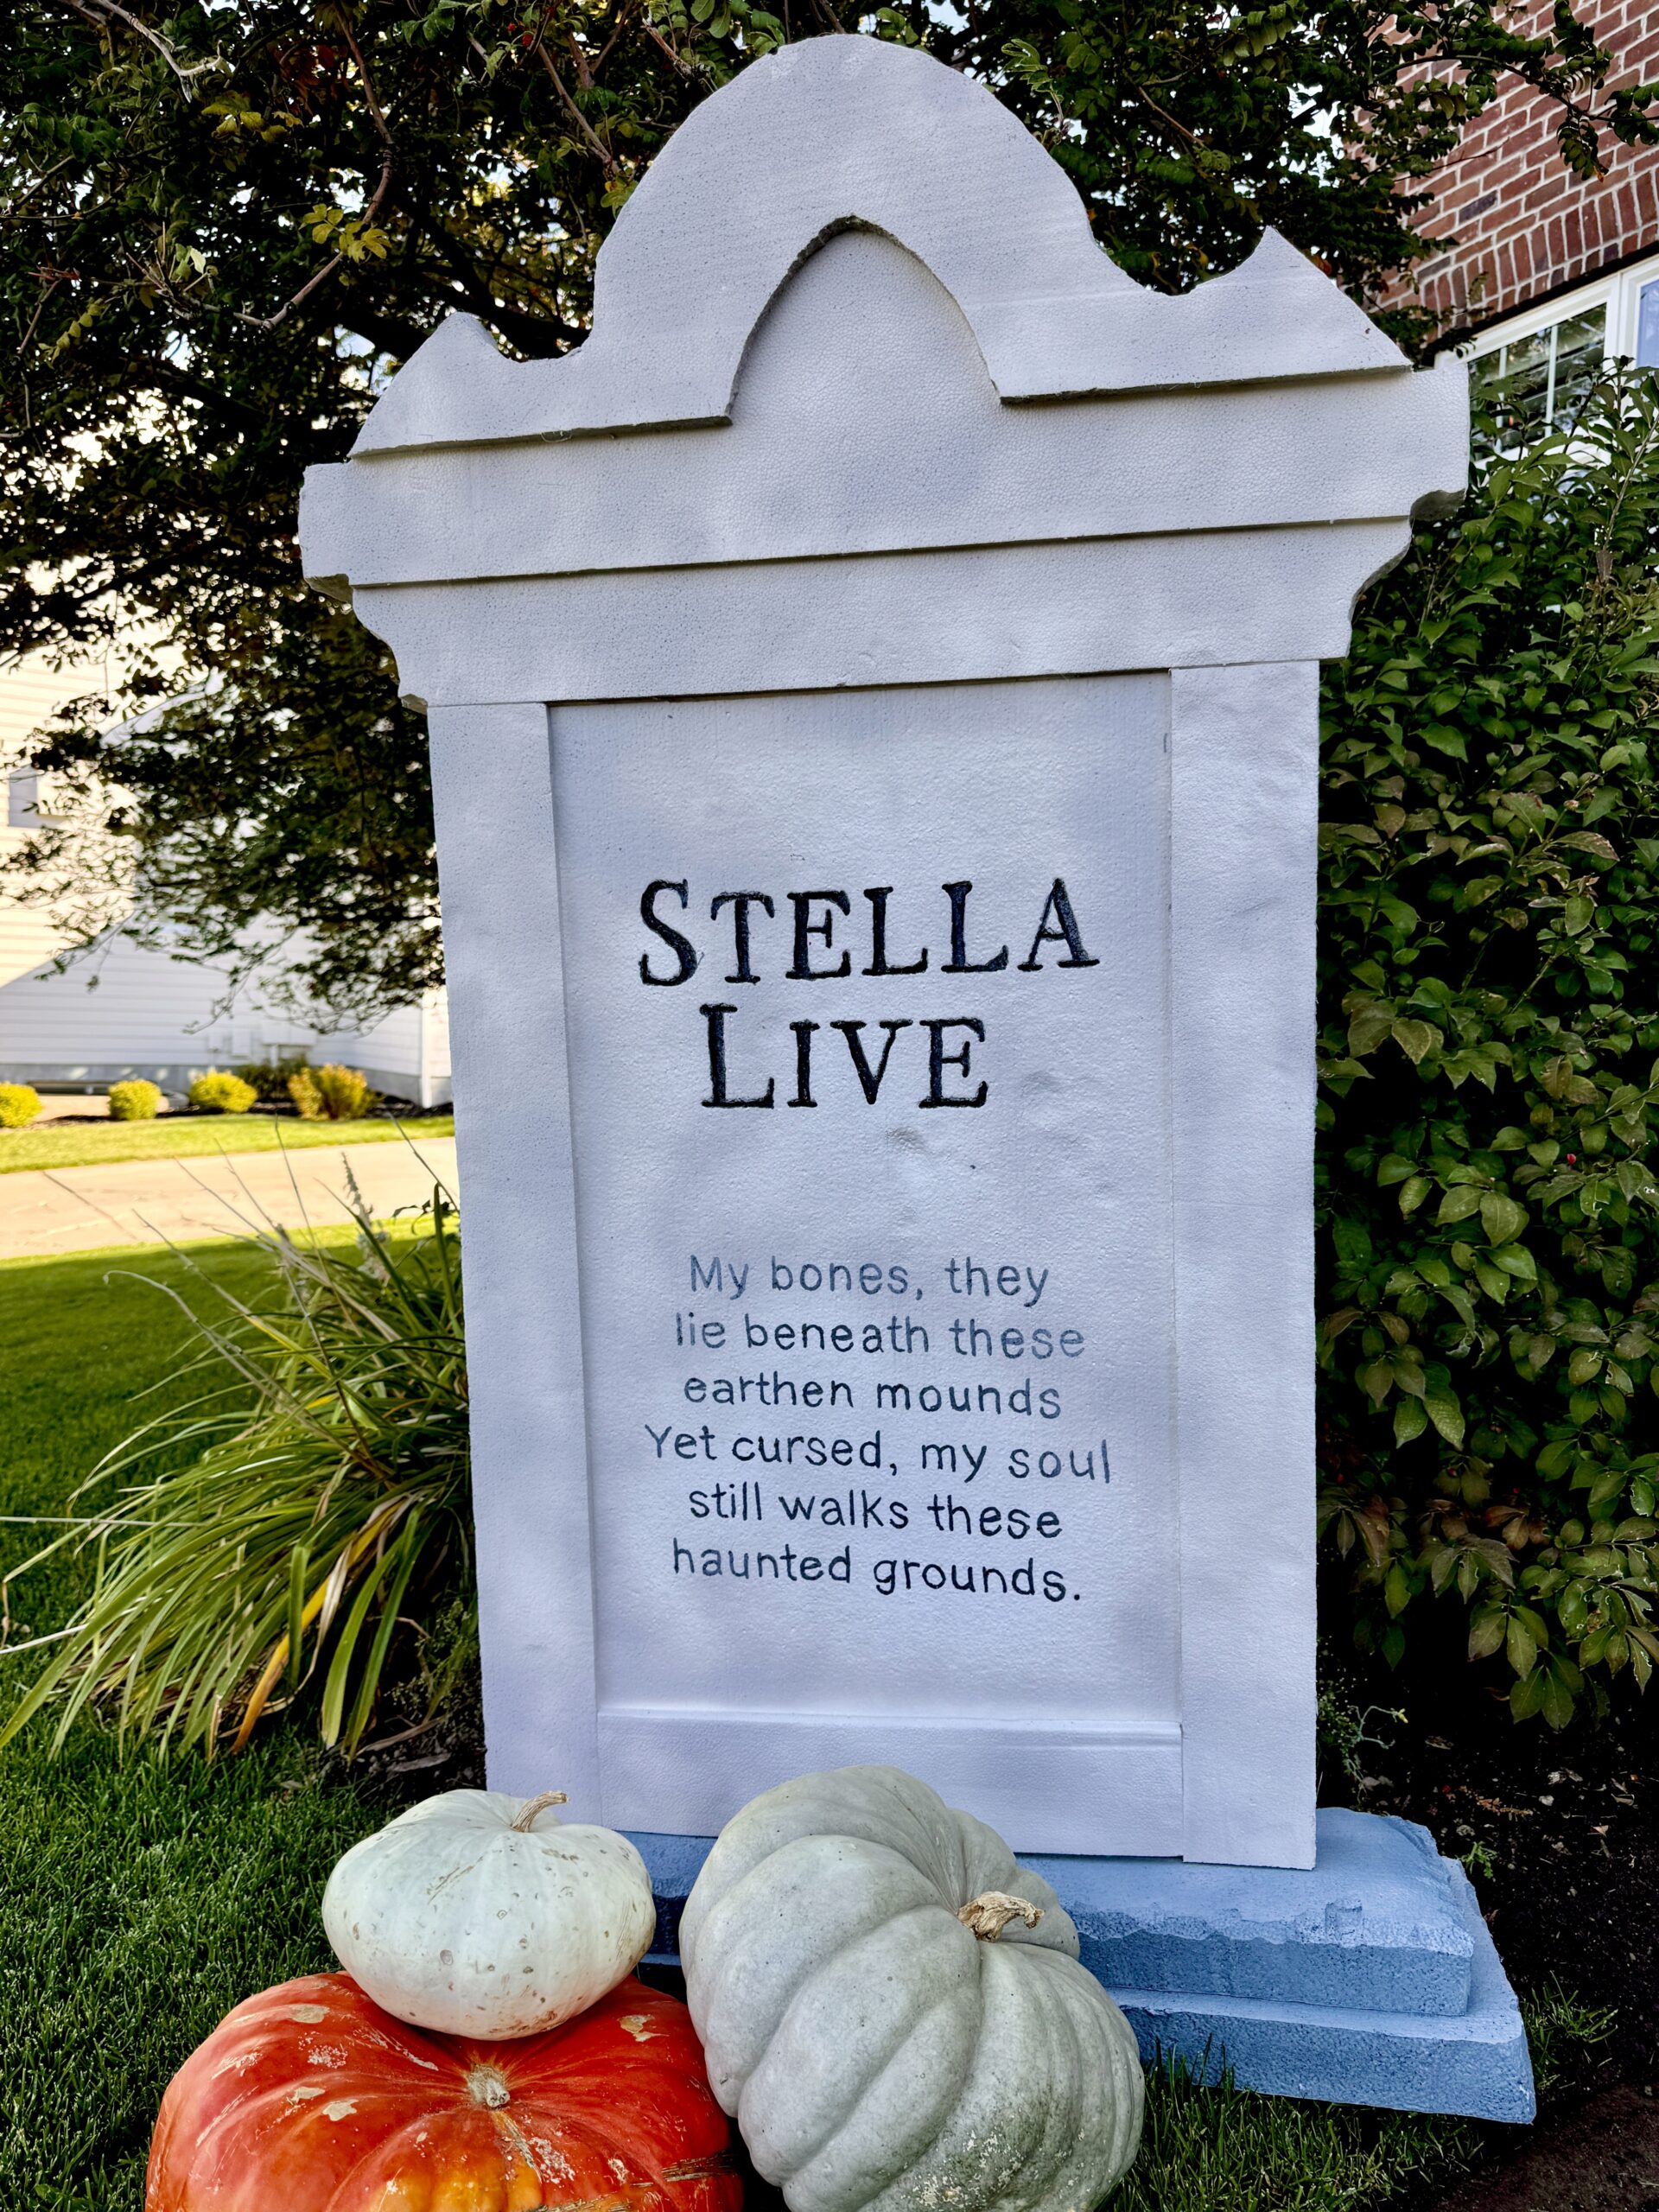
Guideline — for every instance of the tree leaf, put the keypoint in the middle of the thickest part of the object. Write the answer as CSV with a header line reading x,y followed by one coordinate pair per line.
x,y
1517,1261
1367,1030
1502,1217
1591,842
1487,1629
1558,1700
1417,1038
1460,1204
1526,1695
1446,1414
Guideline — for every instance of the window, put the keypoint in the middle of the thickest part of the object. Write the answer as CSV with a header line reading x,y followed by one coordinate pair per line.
x,y
1647,326
1538,366
33,799
1538,380
22,786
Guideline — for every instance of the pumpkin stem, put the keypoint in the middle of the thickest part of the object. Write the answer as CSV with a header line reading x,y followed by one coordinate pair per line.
x,y
524,1818
989,1913
487,2085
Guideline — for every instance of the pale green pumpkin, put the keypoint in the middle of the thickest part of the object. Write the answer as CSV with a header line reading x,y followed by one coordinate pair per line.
x,y
477,1914
893,2012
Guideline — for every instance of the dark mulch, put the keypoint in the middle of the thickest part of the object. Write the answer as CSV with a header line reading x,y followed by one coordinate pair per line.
x,y
448,1755
1560,1833
1602,2158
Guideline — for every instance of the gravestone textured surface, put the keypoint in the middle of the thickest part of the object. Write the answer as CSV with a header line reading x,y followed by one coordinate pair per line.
x,y
1475,2062
876,673
1376,1925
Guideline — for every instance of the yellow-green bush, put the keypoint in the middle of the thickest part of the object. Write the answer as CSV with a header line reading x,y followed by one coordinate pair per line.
x,y
217,1092
135,1101
19,1104
330,1094
344,1092
308,1099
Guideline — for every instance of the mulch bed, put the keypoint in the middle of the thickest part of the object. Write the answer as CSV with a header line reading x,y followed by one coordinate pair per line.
x,y
1561,1836
1603,2157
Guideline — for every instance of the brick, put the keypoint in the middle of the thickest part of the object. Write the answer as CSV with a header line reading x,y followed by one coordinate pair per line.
x,y
1544,195
1540,226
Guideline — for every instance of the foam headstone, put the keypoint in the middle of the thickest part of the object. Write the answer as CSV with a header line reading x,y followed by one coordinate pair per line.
x,y
872,692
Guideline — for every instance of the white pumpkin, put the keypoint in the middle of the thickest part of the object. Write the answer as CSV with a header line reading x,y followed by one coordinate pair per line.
x,y
479,1914
893,2012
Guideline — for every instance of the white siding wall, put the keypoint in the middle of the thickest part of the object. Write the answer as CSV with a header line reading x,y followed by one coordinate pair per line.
x,y
146,1012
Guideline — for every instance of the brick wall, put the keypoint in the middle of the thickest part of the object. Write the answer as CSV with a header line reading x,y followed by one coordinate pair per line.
x,y
1526,226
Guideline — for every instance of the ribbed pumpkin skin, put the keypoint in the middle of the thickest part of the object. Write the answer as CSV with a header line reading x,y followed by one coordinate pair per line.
x,y
308,2098
879,2057
455,1920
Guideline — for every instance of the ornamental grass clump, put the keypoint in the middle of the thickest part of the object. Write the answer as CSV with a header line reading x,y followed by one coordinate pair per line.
x,y
1489,1108
312,1498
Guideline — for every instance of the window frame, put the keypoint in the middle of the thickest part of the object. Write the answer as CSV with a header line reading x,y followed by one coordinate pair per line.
x,y
1619,291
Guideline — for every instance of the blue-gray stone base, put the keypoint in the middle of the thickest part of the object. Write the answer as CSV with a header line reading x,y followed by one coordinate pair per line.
x,y
1369,1979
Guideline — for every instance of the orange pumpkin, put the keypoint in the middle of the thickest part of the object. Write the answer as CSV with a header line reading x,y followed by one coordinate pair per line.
x,y
308,2098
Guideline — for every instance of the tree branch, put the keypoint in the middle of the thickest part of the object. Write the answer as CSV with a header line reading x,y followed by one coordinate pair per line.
x,y
9,213
539,334
100,13
574,112
329,267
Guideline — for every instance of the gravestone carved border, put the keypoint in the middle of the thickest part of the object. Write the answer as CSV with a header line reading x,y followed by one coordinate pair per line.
x,y
1200,486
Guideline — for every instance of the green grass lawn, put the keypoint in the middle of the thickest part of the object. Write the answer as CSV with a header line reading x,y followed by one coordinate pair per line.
x,y
139,1901
188,1136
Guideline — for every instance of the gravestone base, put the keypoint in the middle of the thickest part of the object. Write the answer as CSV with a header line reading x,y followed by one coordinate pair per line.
x,y
1369,1979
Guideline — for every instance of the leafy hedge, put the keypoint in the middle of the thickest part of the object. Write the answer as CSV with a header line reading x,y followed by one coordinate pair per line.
x,y
1488,1023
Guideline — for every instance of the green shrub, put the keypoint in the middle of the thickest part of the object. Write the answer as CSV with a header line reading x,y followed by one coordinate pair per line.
x,y
331,1093
1490,982
314,1498
217,1092
269,1078
136,1101
19,1104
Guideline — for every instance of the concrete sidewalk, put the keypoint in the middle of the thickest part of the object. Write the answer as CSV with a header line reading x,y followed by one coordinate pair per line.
x,y
43,1210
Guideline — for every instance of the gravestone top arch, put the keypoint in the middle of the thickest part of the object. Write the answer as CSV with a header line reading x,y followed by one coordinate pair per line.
x,y
848,131
889,580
